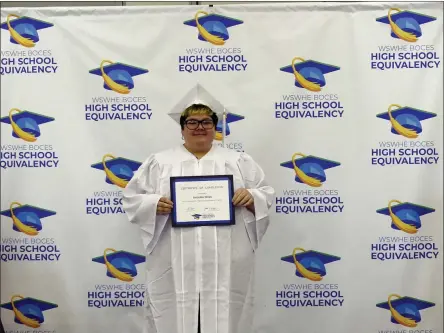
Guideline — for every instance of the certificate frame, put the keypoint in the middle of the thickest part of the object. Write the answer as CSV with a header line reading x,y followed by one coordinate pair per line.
x,y
202,222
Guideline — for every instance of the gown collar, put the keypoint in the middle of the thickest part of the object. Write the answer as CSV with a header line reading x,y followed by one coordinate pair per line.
x,y
205,157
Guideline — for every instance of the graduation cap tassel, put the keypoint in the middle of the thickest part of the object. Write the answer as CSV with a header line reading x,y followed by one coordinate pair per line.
x,y
404,35
26,42
408,133
312,276
111,176
28,137
410,229
398,317
121,89
302,176
21,317
215,40
224,127
27,230
312,86
122,276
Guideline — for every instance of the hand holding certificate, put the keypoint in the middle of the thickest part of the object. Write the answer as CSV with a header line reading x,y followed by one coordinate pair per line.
x,y
202,200
164,206
243,197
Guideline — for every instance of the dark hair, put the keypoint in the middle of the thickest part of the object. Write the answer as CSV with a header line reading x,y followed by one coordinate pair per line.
x,y
200,109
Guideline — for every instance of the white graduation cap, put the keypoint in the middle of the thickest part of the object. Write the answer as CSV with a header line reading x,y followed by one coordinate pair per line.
x,y
199,95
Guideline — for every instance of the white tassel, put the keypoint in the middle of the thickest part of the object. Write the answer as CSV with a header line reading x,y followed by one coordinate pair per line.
x,y
224,124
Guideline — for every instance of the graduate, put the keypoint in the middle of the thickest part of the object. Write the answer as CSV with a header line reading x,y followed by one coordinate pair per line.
x,y
200,278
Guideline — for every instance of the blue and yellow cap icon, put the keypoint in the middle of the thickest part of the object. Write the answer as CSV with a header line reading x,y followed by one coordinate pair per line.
x,y
405,310
310,170
213,28
25,218
196,216
405,120
310,264
120,265
25,124
24,29
230,118
118,170
405,216
28,311
117,76
309,74
405,25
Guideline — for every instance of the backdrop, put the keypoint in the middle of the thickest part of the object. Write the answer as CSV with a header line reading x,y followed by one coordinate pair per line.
x,y
362,107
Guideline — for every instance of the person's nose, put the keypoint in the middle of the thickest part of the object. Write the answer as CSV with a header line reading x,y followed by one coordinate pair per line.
x,y
200,125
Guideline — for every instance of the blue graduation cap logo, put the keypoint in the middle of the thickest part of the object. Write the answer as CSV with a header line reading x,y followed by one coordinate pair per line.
x,y
309,74
117,76
196,216
405,310
118,170
24,29
310,264
310,170
406,121
120,265
405,25
26,218
230,118
25,124
213,28
405,216
28,311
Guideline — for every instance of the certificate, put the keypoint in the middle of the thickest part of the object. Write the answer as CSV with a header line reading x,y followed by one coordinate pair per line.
x,y
202,200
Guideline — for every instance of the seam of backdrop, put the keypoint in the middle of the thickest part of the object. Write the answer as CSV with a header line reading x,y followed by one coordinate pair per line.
x,y
251,8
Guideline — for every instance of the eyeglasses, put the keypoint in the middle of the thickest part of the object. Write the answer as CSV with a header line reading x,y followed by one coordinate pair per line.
x,y
193,124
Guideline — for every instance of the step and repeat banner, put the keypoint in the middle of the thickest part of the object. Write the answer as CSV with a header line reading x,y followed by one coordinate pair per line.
x,y
341,104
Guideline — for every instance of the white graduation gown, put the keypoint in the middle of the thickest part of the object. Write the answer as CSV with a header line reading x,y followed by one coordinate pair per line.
x,y
212,264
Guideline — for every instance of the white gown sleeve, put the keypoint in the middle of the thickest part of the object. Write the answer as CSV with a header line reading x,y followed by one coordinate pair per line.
x,y
263,194
140,198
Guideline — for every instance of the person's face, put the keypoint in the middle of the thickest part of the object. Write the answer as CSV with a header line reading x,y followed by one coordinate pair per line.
x,y
199,134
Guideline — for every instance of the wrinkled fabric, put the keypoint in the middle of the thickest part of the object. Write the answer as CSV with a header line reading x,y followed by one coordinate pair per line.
x,y
211,265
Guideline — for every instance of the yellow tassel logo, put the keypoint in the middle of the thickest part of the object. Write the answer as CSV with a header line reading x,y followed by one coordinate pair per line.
x,y
21,317
30,231
26,42
397,316
310,181
18,131
218,136
111,176
122,276
117,87
312,86
405,132
210,38
404,35
410,229
312,276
